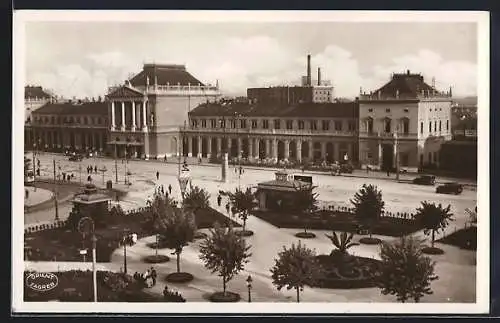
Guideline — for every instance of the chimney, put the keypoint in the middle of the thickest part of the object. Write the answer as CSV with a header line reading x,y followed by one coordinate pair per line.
x,y
308,70
319,76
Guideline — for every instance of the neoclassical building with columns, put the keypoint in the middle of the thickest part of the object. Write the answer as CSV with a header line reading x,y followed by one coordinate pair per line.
x,y
300,132
148,112
405,121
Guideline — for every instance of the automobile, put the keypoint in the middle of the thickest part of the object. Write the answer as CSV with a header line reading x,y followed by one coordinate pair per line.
x,y
76,158
346,168
451,187
425,180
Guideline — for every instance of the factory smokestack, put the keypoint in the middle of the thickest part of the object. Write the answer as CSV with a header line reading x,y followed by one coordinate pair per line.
x,y
319,76
308,70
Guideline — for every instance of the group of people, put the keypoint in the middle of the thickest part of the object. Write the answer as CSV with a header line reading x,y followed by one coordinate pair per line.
x,y
148,277
67,177
231,210
161,189
91,169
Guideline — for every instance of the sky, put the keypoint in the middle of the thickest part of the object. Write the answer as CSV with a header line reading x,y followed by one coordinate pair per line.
x,y
83,59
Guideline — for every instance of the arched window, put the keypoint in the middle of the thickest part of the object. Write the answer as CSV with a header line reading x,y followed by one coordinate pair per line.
x,y
369,125
387,125
406,125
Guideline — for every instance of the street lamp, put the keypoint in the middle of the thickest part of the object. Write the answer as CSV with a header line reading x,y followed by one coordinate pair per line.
x,y
127,239
184,178
94,273
249,287
103,170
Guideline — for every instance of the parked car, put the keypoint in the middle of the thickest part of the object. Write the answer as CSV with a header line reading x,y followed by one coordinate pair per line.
x,y
451,187
76,157
425,180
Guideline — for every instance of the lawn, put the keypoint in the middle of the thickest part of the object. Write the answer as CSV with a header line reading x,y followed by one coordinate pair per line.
x,y
338,221
465,238
76,286
62,244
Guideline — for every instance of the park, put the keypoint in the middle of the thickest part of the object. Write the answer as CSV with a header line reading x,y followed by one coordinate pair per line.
x,y
345,233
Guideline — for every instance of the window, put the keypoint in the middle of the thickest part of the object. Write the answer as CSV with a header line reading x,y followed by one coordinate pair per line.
x,y
301,124
78,120
194,123
387,125
421,159
213,123
430,126
421,127
53,120
406,110
404,159
435,126
351,125
325,125
222,123
265,124
243,123
254,124
277,124
439,125
232,123
314,125
369,127
338,125
370,110
85,120
203,123
289,124
99,120
406,126
387,110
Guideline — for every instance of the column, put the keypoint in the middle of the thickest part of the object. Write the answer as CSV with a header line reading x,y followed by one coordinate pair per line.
x,y
190,146
200,146
350,152
250,148
287,149
311,150
133,116
380,155
275,149
395,155
268,147
257,148
229,144
336,151
219,146
209,147
123,116
113,125
144,121
299,150
323,150
239,147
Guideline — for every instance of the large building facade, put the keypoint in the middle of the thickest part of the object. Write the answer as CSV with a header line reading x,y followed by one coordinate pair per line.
x,y
81,126
34,98
149,110
405,121
257,131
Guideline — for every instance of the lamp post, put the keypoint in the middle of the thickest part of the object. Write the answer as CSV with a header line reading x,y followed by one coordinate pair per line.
x,y
103,170
125,241
224,162
94,273
55,192
116,165
249,287
396,148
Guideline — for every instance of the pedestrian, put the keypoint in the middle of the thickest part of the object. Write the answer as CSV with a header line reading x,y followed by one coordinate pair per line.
x,y
63,176
157,175
153,275
26,193
227,207
219,200
38,172
169,189
89,178
95,169
165,158
388,172
162,190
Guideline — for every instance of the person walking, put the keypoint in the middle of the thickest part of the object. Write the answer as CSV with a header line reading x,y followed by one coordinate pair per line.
x,y
153,275
227,207
219,200
169,189
157,175
95,169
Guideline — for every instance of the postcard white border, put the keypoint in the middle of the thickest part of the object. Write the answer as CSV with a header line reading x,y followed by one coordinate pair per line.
x,y
482,271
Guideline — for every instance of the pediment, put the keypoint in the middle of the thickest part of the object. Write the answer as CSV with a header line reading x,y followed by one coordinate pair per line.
x,y
125,92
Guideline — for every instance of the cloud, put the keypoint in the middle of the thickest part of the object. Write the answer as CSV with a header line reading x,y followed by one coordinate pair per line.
x,y
239,63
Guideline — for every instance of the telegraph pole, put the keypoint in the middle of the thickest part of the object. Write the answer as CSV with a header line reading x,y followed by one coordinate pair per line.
x,y
55,191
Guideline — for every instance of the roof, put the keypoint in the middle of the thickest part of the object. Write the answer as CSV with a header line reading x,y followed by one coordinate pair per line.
x,y
31,92
321,110
288,186
125,92
72,108
409,86
164,75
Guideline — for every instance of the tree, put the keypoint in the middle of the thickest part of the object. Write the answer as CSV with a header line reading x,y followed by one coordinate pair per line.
x,y
433,218
306,201
341,242
160,209
224,252
27,166
405,271
294,268
196,199
243,202
177,229
368,205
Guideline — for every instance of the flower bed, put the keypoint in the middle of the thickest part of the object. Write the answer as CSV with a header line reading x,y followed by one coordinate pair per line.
x,y
156,259
181,277
347,272
465,238
228,297
305,235
338,221
246,233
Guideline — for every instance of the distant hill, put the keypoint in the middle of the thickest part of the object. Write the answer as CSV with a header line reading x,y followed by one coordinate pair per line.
x,y
468,101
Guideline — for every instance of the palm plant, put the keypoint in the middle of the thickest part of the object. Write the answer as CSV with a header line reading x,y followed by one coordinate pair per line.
x,y
341,242
306,201
433,218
